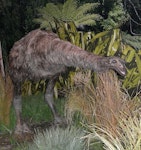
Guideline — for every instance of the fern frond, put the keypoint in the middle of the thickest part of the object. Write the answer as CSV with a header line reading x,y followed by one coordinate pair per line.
x,y
52,10
68,12
88,19
69,7
85,8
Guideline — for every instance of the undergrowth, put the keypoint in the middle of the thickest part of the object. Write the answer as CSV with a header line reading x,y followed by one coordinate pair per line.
x,y
35,110
110,115
57,139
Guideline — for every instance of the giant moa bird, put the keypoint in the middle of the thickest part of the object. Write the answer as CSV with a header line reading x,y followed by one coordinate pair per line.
x,y
43,55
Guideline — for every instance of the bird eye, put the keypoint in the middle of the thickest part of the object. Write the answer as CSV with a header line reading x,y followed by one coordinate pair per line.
x,y
114,61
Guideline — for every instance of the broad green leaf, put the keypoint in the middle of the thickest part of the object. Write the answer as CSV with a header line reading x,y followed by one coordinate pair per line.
x,y
130,55
138,62
99,35
113,37
126,49
129,76
115,42
139,52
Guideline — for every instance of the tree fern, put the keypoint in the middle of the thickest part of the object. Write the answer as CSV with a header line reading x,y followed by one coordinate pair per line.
x,y
84,17
69,11
87,20
48,13
85,8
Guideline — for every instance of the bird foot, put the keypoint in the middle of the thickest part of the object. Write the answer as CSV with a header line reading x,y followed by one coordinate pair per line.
x,y
60,121
23,133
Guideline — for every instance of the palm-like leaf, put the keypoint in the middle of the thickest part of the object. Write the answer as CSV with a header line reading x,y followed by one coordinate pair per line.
x,y
88,19
84,9
69,11
48,14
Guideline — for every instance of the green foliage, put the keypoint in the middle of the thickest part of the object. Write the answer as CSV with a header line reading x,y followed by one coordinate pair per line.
x,y
68,31
36,109
29,88
116,17
133,41
133,59
106,43
70,11
109,43
58,139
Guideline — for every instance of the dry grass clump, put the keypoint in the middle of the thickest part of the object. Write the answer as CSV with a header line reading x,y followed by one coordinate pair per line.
x,y
128,134
102,102
111,115
79,104
110,101
79,99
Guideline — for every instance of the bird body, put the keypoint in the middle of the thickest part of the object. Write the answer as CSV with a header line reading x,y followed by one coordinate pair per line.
x,y
43,55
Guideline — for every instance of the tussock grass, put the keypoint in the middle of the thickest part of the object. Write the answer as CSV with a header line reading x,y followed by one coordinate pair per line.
x,y
128,134
109,113
80,104
58,139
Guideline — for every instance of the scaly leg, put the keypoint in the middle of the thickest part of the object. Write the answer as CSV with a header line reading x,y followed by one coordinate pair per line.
x,y
17,102
49,98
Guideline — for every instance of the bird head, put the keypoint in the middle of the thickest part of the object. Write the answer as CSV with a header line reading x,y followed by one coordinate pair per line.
x,y
117,64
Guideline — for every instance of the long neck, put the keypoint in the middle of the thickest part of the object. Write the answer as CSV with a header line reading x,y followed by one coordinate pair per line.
x,y
70,55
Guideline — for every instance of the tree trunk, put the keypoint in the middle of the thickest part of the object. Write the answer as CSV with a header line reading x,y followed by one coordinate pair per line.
x,y
6,93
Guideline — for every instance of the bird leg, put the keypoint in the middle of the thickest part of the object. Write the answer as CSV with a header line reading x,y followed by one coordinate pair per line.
x,y
49,98
21,127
